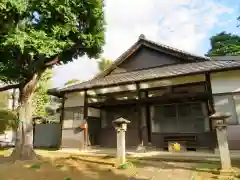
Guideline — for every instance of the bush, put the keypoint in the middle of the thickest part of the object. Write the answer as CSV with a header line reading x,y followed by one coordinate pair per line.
x,y
8,120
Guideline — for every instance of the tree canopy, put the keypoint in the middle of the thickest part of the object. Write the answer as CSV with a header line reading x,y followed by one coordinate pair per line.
x,y
224,44
37,34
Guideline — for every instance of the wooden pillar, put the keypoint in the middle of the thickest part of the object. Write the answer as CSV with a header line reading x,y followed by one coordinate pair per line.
x,y
139,115
14,92
61,120
211,109
85,116
85,110
148,120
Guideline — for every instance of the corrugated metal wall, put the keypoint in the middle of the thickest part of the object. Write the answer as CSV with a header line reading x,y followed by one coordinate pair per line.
x,y
47,135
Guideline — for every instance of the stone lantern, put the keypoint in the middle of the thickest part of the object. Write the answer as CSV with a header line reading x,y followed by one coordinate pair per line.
x,y
219,122
120,125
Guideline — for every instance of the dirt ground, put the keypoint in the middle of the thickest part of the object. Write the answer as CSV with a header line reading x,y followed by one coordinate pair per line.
x,y
56,166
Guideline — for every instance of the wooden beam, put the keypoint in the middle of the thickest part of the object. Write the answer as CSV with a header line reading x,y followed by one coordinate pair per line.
x,y
151,100
146,89
209,90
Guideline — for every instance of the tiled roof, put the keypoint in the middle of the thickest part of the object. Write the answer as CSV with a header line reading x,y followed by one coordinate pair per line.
x,y
143,41
155,73
176,50
226,58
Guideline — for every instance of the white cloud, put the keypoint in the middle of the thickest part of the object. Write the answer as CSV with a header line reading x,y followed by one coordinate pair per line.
x,y
82,69
179,23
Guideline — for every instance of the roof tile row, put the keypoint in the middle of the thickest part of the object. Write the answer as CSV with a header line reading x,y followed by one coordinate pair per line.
x,y
155,73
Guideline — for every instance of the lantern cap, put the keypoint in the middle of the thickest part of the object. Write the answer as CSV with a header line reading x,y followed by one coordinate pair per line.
x,y
121,121
219,116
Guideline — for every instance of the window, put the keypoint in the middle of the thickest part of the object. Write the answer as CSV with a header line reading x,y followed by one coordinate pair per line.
x,y
191,117
164,118
226,104
183,110
182,117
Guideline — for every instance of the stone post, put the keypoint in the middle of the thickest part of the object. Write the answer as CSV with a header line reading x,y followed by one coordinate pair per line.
x,y
219,122
120,125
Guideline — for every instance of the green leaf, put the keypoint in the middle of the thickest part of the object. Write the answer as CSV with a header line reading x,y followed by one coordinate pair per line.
x,y
68,178
35,166
35,32
127,165
223,44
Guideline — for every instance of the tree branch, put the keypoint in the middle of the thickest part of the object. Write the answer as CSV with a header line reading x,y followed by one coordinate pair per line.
x,y
55,61
7,87
52,62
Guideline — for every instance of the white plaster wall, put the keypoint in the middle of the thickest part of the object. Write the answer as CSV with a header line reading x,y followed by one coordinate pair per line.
x,y
74,99
69,123
233,137
77,99
223,82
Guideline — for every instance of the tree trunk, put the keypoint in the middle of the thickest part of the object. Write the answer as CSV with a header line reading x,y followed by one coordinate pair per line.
x,y
13,99
24,137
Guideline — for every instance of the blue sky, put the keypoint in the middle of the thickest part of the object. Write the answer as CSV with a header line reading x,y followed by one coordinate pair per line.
x,y
183,24
229,22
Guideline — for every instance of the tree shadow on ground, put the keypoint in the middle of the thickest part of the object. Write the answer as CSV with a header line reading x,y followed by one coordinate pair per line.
x,y
202,167
60,169
212,167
